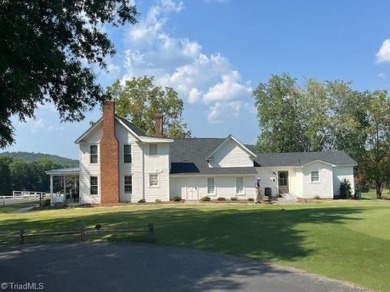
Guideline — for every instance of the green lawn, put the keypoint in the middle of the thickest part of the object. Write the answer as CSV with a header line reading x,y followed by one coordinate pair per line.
x,y
346,240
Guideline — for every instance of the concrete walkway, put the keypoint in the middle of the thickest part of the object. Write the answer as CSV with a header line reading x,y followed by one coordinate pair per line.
x,y
146,267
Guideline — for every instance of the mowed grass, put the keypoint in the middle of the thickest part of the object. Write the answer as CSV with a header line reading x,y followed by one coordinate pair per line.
x,y
346,240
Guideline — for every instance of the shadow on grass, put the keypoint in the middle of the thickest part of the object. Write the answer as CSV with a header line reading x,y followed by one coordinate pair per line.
x,y
254,232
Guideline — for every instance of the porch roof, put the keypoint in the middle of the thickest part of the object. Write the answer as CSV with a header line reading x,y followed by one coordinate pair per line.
x,y
64,171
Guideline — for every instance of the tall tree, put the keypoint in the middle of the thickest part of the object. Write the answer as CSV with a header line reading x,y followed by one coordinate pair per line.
x,y
139,100
47,53
375,165
278,104
5,176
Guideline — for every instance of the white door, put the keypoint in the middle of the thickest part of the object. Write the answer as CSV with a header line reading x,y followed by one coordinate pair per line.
x,y
192,190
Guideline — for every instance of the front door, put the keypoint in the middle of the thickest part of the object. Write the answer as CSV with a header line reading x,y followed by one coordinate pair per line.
x,y
192,190
283,182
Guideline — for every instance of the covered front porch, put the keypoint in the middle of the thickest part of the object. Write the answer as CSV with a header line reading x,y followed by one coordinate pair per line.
x,y
67,175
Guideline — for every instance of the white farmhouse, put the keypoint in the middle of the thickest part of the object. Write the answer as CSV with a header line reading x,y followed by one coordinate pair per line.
x,y
119,163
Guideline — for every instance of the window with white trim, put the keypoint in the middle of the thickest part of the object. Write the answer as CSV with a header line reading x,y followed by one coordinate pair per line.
x,y
127,153
315,176
153,180
210,185
93,180
128,184
93,154
239,185
153,149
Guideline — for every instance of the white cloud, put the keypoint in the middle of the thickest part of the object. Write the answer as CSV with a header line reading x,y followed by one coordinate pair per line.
x,y
180,63
219,111
228,88
382,75
383,54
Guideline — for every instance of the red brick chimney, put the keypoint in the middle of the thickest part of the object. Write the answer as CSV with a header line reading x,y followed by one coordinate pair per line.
x,y
109,157
159,125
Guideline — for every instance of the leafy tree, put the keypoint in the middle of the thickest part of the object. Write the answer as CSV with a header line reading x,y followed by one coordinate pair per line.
x,y
5,176
139,100
347,116
278,105
47,53
375,165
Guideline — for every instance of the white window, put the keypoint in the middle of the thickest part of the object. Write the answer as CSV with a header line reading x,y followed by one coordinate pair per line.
x,y
127,153
153,180
93,152
239,185
210,185
128,184
93,185
152,149
315,176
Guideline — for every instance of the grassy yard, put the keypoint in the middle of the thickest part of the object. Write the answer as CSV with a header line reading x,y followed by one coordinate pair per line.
x,y
346,240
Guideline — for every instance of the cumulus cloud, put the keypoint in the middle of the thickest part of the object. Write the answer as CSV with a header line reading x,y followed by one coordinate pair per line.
x,y
209,79
383,54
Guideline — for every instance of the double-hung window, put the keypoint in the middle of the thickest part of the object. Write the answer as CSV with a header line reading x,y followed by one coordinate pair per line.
x,y
93,185
128,184
315,176
127,153
153,180
153,150
239,185
93,152
210,185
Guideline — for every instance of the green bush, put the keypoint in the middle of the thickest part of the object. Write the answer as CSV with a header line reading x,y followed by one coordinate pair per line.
x,y
345,191
205,199
158,201
221,199
176,199
251,199
142,201
234,198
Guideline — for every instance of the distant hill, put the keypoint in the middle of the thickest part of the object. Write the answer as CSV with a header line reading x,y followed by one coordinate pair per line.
x,y
30,156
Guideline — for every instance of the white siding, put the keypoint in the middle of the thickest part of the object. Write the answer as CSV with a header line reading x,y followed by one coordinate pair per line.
x,y
231,155
269,179
195,187
156,164
88,169
128,169
322,189
340,173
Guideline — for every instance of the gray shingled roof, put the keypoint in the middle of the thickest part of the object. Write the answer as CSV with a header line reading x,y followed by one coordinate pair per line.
x,y
188,156
339,158
131,126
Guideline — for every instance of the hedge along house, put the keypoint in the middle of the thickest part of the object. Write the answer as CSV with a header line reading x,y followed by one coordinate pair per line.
x,y
119,163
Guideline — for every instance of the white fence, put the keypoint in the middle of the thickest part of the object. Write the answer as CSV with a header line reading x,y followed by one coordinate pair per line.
x,y
27,194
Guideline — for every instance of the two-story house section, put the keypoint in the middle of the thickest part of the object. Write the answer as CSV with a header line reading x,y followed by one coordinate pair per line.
x,y
119,163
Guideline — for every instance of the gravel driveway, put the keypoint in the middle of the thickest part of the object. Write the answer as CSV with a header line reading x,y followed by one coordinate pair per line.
x,y
146,267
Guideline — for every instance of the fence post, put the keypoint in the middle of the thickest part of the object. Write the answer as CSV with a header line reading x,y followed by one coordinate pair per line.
x,y
21,236
82,234
151,231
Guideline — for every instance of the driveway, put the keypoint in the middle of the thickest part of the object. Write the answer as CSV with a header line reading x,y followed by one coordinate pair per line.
x,y
146,267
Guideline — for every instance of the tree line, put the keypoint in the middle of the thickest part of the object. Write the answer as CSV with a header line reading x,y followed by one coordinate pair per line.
x,y
323,116
20,175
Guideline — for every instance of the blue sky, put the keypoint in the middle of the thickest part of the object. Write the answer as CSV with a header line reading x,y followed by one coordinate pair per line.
x,y
215,52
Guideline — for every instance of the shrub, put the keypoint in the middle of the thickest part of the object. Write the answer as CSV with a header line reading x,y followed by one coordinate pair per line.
x,y
205,199
46,203
316,198
221,199
142,201
234,198
251,199
345,191
176,199
158,201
